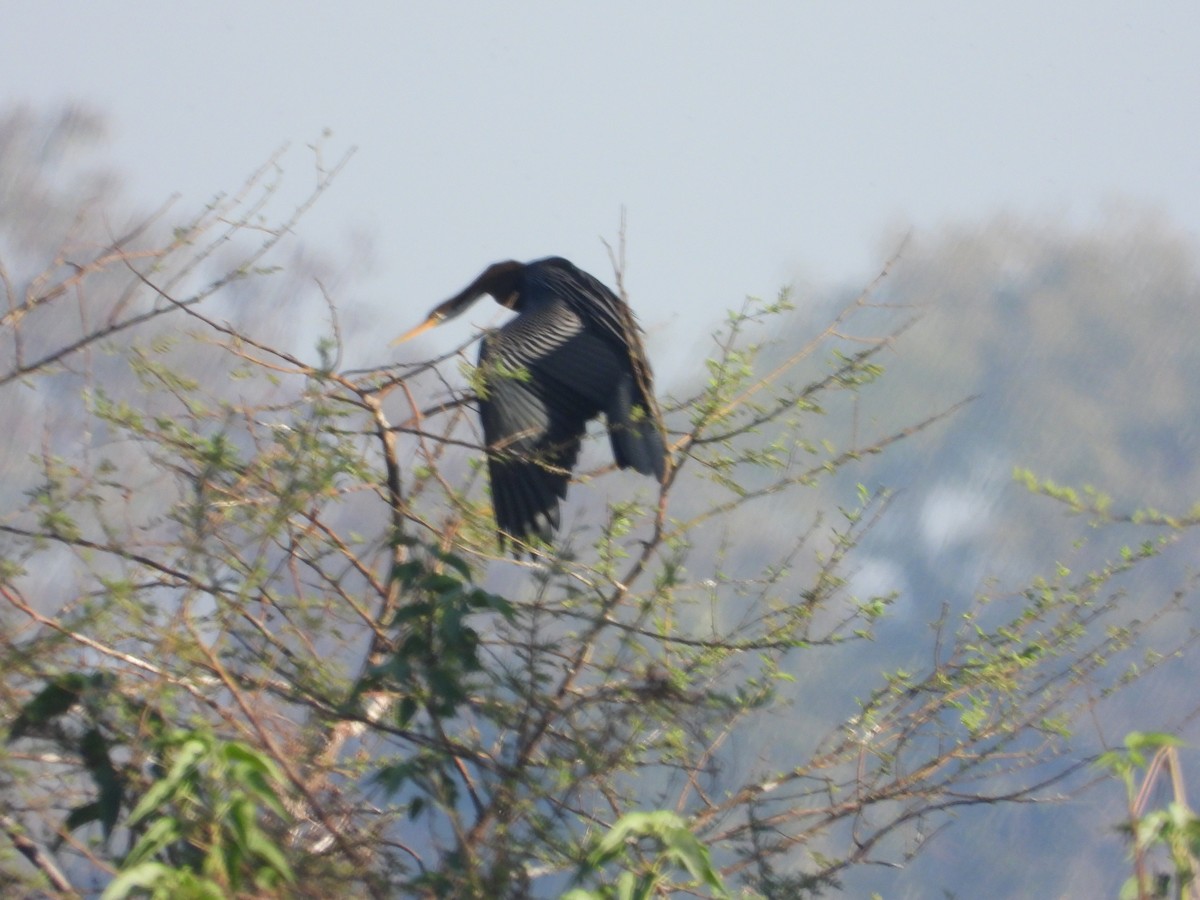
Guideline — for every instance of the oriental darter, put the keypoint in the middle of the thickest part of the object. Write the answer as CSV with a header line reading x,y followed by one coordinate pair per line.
x,y
571,353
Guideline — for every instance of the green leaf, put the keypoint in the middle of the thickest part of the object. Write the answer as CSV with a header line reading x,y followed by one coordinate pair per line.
x,y
50,703
182,768
686,849
407,573
94,749
440,583
268,851
265,792
406,709
161,834
82,815
679,844
1151,740
455,562
144,876
630,826
630,887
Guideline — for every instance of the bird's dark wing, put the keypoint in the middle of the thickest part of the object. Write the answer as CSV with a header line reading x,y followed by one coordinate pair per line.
x,y
544,377
601,311
529,452
627,401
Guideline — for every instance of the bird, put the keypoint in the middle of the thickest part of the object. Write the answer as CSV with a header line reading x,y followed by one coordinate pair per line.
x,y
572,353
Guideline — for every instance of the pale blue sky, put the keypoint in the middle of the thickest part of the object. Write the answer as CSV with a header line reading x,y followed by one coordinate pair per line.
x,y
750,143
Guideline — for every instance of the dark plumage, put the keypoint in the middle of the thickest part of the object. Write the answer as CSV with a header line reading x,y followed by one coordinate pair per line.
x,y
571,353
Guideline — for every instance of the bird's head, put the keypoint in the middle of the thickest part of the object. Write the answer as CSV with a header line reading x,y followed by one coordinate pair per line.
x,y
500,280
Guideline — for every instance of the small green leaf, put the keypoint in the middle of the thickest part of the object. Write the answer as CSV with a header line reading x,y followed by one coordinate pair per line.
x,y
268,851
161,834
1151,740
181,768
144,876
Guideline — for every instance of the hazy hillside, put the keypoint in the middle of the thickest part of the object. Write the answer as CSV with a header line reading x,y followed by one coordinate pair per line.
x,y
1080,346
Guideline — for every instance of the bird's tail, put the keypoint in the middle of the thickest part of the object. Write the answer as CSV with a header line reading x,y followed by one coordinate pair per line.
x,y
637,441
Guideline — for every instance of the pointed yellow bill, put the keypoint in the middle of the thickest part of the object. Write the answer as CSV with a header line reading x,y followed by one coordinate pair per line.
x,y
420,329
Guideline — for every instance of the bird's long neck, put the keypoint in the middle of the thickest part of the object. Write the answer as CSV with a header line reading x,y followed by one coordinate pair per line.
x,y
501,280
